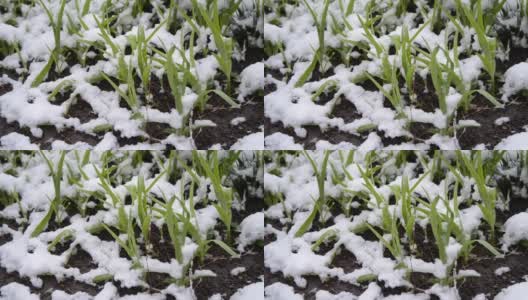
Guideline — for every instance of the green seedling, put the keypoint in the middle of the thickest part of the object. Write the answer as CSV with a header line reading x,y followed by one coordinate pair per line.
x,y
129,245
56,174
211,168
405,48
224,45
393,245
177,82
320,174
393,94
320,53
105,33
140,196
122,216
401,7
404,195
56,52
130,95
488,45
475,167
441,83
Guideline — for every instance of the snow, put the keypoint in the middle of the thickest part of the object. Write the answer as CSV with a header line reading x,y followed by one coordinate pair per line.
x,y
254,291
325,295
253,141
251,80
14,291
513,292
238,270
281,291
502,270
237,121
518,141
281,141
16,141
251,230
515,230
501,121
515,80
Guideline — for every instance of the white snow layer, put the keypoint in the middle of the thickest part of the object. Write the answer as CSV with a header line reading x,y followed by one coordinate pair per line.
x,y
515,230
251,230
514,292
254,291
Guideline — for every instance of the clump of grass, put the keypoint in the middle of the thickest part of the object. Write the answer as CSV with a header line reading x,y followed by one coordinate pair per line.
x,y
224,45
212,170
480,21
404,196
56,24
127,74
320,174
140,196
476,169
56,174
319,55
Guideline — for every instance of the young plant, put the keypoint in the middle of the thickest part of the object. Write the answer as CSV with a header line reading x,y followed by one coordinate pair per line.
x,y
129,245
177,233
140,44
477,20
441,83
404,195
56,174
405,48
393,244
177,82
441,233
211,168
130,94
56,52
320,174
223,45
104,182
140,196
393,94
475,168
320,52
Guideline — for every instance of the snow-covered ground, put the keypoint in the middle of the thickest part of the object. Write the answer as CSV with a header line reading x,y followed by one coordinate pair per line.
x,y
393,42
394,225
100,37
98,190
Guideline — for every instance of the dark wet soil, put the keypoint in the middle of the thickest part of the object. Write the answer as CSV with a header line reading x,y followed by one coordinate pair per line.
x,y
489,133
225,283
344,109
489,283
224,133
